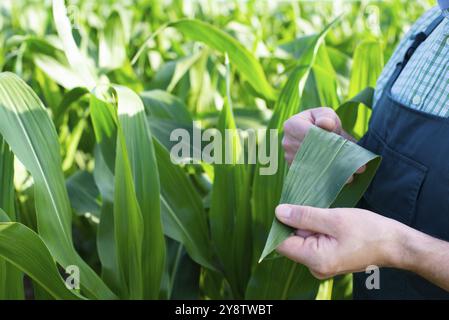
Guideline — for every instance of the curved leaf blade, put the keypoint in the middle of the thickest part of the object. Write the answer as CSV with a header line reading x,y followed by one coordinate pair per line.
x,y
219,40
140,150
26,126
24,249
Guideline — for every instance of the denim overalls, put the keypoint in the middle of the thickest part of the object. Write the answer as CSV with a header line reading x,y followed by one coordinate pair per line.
x,y
412,183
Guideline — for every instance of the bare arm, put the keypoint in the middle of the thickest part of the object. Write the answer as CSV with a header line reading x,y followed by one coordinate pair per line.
x,y
424,255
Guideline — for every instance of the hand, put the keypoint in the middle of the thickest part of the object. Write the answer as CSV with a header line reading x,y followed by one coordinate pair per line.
x,y
339,241
296,128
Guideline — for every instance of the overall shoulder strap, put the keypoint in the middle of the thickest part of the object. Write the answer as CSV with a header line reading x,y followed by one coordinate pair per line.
x,y
420,37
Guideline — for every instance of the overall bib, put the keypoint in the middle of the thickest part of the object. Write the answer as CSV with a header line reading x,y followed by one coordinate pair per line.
x,y
412,183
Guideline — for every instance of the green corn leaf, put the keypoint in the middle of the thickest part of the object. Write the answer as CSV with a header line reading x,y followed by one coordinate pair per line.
x,y
183,214
143,165
165,114
292,281
77,60
24,249
217,39
349,112
264,199
230,207
26,126
50,59
112,43
239,56
83,194
128,224
106,247
318,175
162,105
367,65
68,99
321,86
104,121
11,281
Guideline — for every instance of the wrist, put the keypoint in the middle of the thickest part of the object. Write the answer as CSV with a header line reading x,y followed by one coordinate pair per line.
x,y
394,249
402,249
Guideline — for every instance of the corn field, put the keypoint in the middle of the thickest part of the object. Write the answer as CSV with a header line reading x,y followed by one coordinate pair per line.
x,y
92,206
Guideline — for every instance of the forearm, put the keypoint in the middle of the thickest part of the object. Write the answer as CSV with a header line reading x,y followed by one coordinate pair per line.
x,y
423,255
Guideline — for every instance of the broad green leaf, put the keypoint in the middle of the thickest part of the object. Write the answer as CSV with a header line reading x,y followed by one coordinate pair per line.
x,y
181,68
264,199
350,110
79,62
321,88
104,121
11,279
182,274
112,43
239,56
183,214
59,71
162,105
318,175
325,290
230,206
50,59
128,224
26,126
291,281
143,165
7,179
367,65
72,142
166,113
24,249
106,244
83,194
201,94
68,99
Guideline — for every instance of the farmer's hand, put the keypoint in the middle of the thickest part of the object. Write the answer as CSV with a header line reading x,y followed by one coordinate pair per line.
x,y
347,240
338,241
296,128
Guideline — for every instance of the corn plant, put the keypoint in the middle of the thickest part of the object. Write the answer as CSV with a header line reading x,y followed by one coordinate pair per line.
x,y
89,95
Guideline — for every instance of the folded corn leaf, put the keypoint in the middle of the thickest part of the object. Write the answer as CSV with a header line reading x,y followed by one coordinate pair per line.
x,y
318,175
290,102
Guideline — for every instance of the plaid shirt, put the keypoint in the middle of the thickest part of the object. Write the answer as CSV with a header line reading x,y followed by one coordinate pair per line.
x,y
424,82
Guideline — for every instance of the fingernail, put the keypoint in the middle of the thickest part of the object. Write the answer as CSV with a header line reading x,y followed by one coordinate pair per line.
x,y
283,211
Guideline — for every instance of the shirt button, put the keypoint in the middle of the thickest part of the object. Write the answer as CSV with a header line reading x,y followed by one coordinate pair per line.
x,y
416,100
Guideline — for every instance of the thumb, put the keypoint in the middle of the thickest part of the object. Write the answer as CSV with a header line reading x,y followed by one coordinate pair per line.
x,y
307,218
